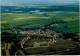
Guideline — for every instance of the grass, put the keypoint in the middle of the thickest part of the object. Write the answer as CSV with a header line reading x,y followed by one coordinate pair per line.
x,y
63,44
25,20
59,45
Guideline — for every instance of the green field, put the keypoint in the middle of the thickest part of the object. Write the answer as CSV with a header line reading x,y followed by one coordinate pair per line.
x,y
26,20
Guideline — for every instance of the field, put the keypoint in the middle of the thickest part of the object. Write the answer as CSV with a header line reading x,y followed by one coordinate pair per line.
x,y
39,33
38,27
63,21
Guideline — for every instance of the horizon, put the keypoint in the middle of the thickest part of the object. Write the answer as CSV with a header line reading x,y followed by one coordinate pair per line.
x,y
37,2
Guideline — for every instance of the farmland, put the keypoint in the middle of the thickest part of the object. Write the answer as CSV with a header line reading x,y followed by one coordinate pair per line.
x,y
39,30
68,21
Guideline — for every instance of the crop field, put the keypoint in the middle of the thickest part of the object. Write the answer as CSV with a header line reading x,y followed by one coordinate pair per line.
x,y
38,27
65,21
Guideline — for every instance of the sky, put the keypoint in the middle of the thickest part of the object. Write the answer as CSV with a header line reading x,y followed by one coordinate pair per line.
x,y
30,2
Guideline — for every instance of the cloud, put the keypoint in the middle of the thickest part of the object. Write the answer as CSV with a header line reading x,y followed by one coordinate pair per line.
x,y
20,2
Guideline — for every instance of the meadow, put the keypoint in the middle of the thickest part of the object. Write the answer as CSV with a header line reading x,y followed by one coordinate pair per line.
x,y
66,21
